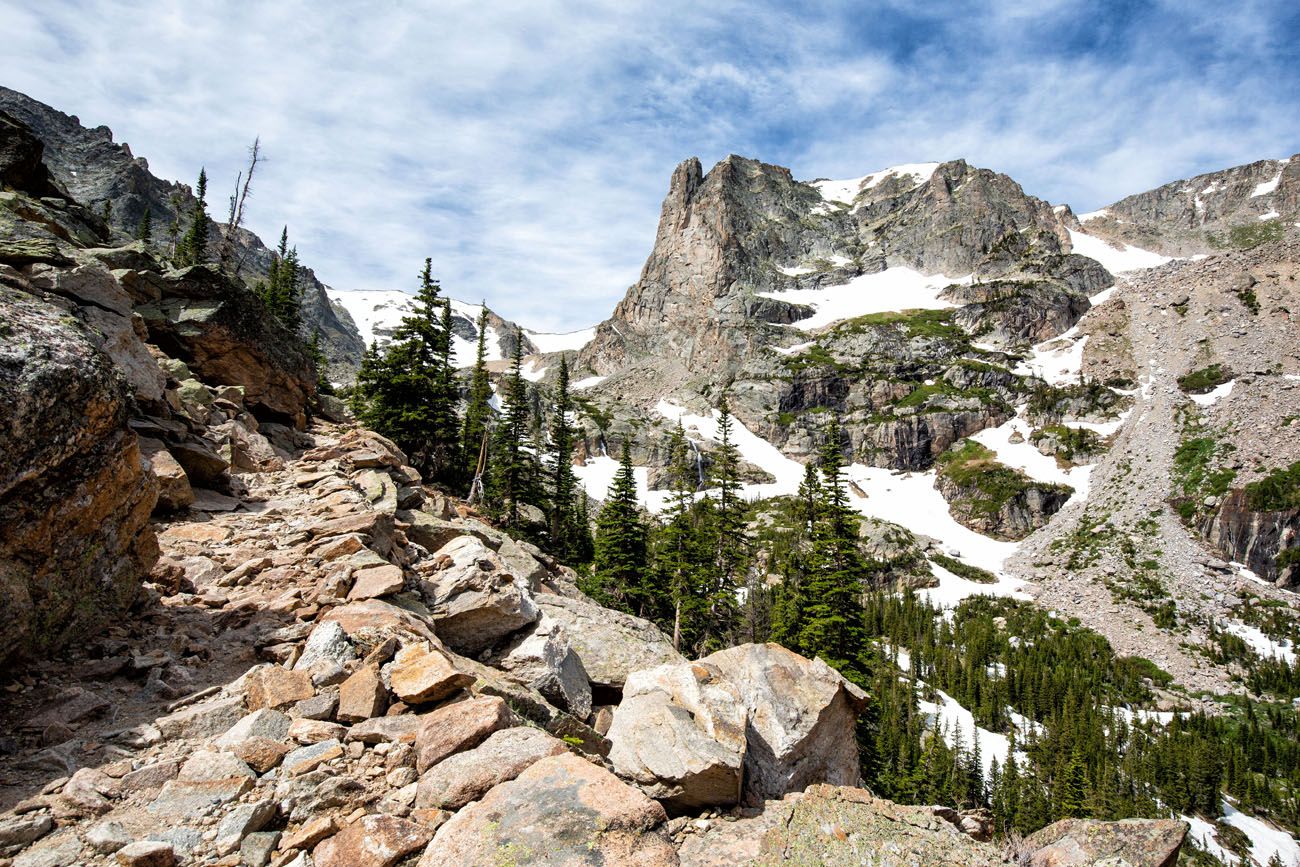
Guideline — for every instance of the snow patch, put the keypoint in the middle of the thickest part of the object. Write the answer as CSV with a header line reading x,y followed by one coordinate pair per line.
x,y
1094,215
891,290
378,312
845,191
571,341
797,271
588,382
1267,186
1261,643
1056,361
1116,261
1270,215
532,372
1265,840
1212,397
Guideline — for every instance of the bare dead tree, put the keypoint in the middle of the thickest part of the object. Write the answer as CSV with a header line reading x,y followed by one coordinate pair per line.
x,y
243,182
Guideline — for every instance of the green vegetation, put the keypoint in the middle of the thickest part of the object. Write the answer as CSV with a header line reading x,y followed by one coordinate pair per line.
x,y
1278,491
281,291
974,467
929,324
1051,403
1194,475
964,570
192,249
1250,235
1205,379
1071,441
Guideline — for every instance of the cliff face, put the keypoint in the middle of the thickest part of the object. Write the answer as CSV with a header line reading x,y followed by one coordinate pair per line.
x,y
1255,538
95,170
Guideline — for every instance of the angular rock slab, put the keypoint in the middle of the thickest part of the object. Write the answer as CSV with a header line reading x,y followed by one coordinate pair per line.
x,y
802,719
561,811
610,644
679,734
543,657
1078,842
467,776
477,600
371,841
456,727
421,673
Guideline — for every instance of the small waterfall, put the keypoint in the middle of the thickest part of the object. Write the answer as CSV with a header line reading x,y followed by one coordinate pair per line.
x,y
699,463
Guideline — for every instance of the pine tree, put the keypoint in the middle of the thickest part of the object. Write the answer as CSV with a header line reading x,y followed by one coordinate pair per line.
x,y
570,535
193,246
281,292
832,619
478,410
320,363
513,476
682,556
144,231
619,568
728,531
403,393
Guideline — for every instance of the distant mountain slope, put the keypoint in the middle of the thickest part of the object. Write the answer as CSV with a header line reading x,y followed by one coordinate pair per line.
x,y
1215,211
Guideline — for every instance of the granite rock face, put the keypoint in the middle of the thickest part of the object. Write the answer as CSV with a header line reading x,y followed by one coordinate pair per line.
x,y
75,497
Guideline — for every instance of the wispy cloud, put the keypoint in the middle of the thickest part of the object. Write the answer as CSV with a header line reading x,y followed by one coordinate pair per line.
x,y
526,146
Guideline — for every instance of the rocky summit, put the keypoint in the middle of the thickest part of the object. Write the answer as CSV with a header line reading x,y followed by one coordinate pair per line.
x,y
908,519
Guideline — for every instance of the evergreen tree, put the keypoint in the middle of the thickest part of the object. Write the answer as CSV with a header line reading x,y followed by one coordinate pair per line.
x,y
513,476
193,246
403,393
478,410
320,363
570,535
619,569
682,555
144,231
728,532
832,619
281,291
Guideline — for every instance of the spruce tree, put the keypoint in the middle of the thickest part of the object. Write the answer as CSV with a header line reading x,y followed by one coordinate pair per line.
x,y
403,394
570,536
478,410
281,292
193,246
619,568
683,558
513,478
728,531
144,231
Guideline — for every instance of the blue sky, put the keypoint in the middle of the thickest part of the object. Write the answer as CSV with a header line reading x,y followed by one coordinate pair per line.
x,y
526,146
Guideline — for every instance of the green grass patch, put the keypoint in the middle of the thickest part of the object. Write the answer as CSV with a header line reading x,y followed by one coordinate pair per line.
x,y
1205,379
964,570
1278,491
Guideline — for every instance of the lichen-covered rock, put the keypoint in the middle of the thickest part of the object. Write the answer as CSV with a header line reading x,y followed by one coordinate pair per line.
x,y
679,734
1127,843
75,498
561,811
802,717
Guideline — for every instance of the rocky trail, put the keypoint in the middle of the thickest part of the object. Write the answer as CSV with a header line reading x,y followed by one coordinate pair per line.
x,y
303,683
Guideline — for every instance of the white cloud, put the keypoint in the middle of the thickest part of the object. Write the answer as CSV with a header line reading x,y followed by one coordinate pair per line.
x,y
526,147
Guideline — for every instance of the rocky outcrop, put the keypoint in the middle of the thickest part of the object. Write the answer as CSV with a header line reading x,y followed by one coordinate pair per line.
x,y
75,498
96,171
1076,843
610,644
992,498
1255,538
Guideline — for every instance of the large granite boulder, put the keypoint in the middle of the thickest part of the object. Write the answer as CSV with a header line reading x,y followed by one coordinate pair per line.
x,y
543,657
610,644
561,811
75,497
467,776
802,717
476,600
679,734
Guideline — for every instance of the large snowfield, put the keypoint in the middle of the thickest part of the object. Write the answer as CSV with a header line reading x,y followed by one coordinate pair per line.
x,y
891,290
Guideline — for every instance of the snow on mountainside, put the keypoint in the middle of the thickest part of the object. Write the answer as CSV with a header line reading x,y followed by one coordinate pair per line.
x,y
378,312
